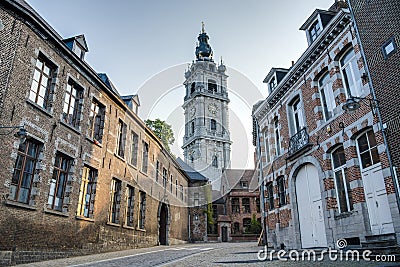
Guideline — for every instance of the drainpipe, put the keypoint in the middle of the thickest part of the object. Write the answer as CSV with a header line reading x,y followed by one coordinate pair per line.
x,y
189,236
392,173
261,178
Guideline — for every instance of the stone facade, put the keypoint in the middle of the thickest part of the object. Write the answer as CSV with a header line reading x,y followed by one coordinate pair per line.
x,y
80,182
318,184
206,144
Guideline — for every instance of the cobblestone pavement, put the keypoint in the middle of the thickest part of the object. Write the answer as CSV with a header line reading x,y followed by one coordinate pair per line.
x,y
209,254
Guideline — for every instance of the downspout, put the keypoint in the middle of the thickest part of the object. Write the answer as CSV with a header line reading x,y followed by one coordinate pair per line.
x,y
392,173
261,178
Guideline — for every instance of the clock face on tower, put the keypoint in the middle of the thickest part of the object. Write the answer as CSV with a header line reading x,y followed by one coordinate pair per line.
x,y
213,108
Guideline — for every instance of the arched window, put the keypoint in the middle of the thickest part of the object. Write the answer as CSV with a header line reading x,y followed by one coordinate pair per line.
x,y
215,162
212,86
350,73
326,96
342,184
213,125
296,118
367,149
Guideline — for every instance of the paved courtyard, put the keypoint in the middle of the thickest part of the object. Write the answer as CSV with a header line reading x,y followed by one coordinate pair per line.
x,y
210,254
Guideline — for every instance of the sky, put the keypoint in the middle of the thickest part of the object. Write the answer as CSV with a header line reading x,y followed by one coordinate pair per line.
x,y
145,47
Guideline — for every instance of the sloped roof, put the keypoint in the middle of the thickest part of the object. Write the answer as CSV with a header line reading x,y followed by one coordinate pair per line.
x,y
194,175
107,81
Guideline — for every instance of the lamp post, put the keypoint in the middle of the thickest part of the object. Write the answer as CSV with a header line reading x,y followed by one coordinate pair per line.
x,y
261,181
21,133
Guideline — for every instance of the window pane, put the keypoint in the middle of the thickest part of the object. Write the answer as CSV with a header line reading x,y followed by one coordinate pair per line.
x,y
342,202
371,139
365,160
339,158
375,155
362,143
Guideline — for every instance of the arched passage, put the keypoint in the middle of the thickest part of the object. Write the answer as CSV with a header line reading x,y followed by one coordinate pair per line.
x,y
163,224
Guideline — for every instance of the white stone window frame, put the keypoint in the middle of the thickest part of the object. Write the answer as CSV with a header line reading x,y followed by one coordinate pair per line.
x,y
326,96
389,44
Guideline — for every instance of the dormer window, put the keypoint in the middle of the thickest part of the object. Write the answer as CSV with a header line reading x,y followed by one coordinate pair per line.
x,y
78,51
77,45
315,30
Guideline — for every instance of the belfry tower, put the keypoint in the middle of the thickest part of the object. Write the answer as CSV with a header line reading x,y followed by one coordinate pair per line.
x,y
206,144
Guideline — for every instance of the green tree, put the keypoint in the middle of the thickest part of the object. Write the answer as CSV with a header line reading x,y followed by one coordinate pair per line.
x,y
255,226
163,131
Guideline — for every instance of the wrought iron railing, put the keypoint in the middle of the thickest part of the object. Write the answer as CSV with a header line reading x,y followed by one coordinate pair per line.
x,y
298,141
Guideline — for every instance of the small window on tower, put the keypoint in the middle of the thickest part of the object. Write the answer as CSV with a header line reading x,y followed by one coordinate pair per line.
x,y
192,87
212,86
213,125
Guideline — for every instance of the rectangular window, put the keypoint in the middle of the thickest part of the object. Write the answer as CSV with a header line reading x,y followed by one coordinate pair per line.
x,y
315,30
266,147
142,209
134,148
326,96
87,193
246,205
130,203
116,187
96,120
58,182
270,196
73,104
181,191
246,224
192,127
157,170
196,199
171,185
277,137
244,184
41,88
213,125
281,191
176,188
258,205
389,47
235,205
296,116
145,156
342,184
121,139
164,176
24,171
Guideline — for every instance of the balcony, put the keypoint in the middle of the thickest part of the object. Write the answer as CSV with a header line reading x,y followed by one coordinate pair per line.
x,y
299,143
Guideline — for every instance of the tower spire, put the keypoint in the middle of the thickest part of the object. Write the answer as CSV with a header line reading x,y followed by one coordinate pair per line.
x,y
203,49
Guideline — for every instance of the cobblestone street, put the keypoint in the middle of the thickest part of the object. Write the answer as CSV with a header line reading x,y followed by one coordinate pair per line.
x,y
209,254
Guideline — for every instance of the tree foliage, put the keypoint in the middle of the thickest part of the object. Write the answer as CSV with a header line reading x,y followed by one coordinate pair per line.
x,y
163,131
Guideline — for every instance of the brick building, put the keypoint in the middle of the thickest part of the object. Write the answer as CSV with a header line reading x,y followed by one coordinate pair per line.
x,y
377,25
234,211
326,171
90,176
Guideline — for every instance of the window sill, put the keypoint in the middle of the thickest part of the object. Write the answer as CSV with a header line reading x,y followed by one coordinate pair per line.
x,y
128,227
119,157
13,203
144,173
131,165
94,141
343,215
113,224
45,111
84,218
140,229
70,127
54,212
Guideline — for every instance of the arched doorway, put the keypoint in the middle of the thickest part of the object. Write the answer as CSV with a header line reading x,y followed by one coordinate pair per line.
x,y
310,209
163,219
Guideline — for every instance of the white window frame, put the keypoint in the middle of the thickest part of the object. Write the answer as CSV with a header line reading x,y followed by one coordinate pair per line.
x,y
352,67
326,96
342,170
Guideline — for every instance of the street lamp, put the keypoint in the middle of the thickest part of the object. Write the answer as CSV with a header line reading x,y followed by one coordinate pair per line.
x,y
353,103
21,133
